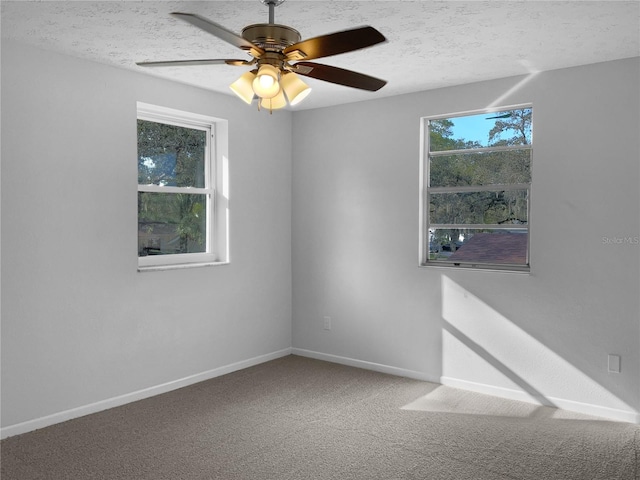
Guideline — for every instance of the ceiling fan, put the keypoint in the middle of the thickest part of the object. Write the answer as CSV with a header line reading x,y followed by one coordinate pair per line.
x,y
279,56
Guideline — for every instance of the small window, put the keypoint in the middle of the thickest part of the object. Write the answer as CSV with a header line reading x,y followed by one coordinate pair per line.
x,y
476,187
182,198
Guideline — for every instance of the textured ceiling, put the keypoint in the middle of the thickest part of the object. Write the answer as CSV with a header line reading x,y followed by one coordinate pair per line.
x,y
430,44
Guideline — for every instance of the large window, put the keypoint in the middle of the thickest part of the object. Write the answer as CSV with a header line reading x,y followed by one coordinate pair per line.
x,y
181,188
476,184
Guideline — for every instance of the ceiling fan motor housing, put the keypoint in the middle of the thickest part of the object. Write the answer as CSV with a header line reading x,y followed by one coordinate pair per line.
x,y
271,37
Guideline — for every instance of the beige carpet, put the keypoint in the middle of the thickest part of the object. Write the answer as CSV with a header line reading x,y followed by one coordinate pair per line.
x,y
297,418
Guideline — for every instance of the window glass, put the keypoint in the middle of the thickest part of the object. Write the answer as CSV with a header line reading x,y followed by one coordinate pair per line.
x,y
484,207
169,155
479,247
477,190
182,188
482,168
171,223
509,127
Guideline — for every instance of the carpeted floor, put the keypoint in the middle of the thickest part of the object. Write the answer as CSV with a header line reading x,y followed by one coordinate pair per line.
x,y
298,418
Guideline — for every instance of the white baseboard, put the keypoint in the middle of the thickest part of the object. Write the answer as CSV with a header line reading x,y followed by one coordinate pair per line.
x,y
377,367
629,416
59,417
589,409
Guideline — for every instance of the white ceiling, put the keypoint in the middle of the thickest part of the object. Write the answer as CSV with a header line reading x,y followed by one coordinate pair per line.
x,y
431,44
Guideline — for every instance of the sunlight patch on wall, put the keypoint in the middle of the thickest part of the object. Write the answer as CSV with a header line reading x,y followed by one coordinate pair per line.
x,y
502,98
482,348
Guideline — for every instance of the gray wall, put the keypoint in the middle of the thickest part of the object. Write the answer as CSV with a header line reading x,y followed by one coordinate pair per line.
x,y
79,323
545,335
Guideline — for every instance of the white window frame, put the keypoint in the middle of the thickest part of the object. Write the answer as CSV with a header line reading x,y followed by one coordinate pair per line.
x,y
216,188
426,189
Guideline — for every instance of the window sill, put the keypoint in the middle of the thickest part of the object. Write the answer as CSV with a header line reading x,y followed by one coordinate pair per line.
x,y
525,270
179,266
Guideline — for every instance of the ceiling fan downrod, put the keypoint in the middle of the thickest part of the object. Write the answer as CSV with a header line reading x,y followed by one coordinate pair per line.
x,y
272,4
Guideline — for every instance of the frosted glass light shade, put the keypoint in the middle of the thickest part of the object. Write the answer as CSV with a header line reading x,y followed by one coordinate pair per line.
x,y
295,88
243,86
266,82
274,103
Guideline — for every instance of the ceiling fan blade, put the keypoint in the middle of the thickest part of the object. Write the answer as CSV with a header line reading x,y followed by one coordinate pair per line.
x,y
189,63
220,32
340,76
334,43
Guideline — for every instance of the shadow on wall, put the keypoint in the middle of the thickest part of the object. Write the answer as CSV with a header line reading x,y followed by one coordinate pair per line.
x,y
484,351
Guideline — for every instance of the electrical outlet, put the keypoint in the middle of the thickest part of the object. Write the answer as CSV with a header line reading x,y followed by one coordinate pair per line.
x,y
327,323
614,363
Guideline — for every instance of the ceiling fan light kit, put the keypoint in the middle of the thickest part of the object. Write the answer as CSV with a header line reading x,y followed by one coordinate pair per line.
x,y
243,87
276,51
274,103
266,83
295,88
